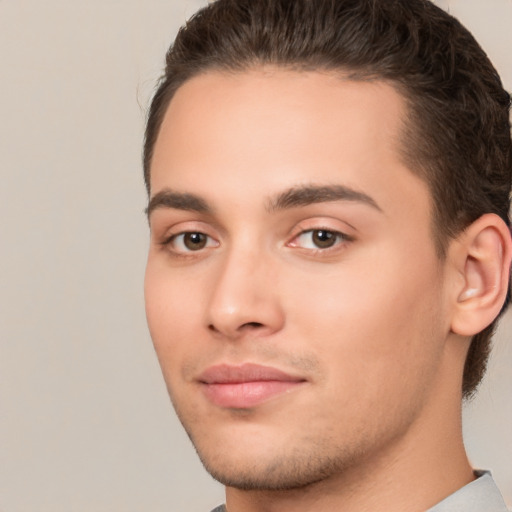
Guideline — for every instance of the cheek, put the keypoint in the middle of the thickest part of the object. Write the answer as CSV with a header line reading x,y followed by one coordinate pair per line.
x,y
377,322
171,311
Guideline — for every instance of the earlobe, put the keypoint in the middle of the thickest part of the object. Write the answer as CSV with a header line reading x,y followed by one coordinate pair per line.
x,y
484,255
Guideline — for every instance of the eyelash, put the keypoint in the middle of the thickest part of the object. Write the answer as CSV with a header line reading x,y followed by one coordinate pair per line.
x,y
339,239
169,241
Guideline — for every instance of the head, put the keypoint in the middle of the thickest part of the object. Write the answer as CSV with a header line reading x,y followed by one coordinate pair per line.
x,y
457,134
451,135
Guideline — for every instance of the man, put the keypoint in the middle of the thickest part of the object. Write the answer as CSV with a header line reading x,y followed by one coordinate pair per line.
x,y
329,191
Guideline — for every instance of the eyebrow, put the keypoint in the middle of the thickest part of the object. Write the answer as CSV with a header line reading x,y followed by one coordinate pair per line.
x,y
179,201
312,194
294,197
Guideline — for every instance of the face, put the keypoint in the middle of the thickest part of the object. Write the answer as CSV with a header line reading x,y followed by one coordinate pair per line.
x,y
293,291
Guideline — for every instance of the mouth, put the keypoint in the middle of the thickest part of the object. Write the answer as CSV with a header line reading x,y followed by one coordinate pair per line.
x,y
245,386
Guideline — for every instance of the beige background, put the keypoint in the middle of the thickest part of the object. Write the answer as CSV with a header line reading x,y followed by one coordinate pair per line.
x,y
85,422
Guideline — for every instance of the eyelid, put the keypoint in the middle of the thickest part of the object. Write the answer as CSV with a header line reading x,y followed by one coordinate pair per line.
x,y
325,223
180,229
339,238
171,227
342,231
172,239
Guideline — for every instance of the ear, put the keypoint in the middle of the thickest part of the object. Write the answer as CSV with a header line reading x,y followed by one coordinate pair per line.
x,y
482,257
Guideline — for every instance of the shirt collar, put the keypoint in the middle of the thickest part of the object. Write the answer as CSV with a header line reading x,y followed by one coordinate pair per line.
x,y
481,495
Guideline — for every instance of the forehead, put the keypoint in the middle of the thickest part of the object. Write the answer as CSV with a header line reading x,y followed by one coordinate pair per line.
x,y
270,128
277,107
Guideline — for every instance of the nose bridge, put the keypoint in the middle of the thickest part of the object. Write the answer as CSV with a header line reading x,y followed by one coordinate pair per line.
x,y
243,297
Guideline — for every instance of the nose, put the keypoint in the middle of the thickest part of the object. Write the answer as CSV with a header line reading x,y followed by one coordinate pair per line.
x,y
244,300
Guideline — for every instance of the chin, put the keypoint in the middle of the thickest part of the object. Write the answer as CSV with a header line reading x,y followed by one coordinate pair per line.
x,y
272,468
272,475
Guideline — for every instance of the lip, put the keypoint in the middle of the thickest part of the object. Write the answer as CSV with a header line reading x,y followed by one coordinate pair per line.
x,y
245,386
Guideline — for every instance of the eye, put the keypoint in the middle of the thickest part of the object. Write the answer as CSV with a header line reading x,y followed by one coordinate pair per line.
x,y
318,239
190,241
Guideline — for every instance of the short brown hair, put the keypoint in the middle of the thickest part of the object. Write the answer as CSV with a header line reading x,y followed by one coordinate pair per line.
x,y
457,135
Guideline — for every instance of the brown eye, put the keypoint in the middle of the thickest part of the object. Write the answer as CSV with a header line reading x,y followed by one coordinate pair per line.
x,y
324,239
187,242
194,241
319,239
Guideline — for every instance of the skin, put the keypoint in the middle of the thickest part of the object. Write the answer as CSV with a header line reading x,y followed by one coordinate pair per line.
x,y
366,324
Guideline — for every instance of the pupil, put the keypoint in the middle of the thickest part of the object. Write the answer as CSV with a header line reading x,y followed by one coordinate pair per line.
x,y
323,238
195,241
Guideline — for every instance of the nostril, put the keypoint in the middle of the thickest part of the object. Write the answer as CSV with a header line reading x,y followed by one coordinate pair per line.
x,y
252,325
248,326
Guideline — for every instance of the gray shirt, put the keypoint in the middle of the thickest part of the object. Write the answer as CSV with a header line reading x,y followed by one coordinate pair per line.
x,y
481,495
